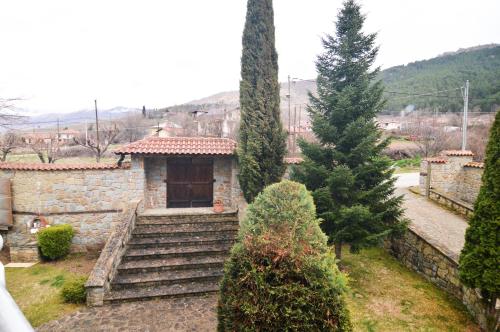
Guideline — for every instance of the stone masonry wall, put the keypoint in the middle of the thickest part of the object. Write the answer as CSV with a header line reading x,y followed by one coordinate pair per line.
x,y
452,178
438,266
90,200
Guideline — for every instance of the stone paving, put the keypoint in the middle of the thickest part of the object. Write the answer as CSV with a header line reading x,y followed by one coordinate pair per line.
x,y
434,222
177,314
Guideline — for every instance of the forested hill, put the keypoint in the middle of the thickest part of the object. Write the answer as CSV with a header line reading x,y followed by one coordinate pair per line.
x,y
479,65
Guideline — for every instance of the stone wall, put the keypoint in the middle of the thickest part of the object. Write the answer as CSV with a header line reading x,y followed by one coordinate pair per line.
x,y
455,176
91,200
437,265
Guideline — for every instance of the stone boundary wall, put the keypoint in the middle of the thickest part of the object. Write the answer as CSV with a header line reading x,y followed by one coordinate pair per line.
x,y
90,199
455,176
437,265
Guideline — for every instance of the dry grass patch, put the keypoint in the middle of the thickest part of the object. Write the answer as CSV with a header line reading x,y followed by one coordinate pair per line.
x,y
36,290
386,296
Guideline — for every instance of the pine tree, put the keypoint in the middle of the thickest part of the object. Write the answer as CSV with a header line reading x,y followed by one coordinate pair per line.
x,y
480,258
351,181
262,139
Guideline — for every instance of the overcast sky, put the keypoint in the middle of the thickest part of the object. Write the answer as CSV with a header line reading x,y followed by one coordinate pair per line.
x,y
61,55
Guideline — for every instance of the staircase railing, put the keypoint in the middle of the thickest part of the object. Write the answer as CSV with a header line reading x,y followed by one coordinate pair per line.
x,y
106,266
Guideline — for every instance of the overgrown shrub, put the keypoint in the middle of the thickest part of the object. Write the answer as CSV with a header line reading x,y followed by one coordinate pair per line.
x,y
55,241
281,275
73,291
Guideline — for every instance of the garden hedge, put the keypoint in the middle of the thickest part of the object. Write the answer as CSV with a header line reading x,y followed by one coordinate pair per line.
x,y
281,275
55,241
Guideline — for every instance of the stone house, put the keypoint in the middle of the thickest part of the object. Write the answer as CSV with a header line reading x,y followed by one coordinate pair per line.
x,y
174,172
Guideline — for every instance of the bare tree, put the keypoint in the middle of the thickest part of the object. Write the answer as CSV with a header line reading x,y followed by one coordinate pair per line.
x,y
46,149
98,141
430,139
132,128
8,111
8,142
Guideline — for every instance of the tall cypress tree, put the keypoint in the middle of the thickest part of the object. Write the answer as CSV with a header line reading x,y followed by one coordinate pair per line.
x,y
351,181
262,139
480,258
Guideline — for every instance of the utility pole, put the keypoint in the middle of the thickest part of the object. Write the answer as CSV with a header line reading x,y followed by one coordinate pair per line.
x,y
58,132
465,93
86,132
289,111
294,128
97,132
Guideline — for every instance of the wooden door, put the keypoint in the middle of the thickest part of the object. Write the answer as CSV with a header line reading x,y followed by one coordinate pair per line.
x,y
189,182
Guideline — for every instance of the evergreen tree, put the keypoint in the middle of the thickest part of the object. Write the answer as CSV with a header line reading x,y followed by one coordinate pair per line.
x,y
351,181
480,258
262,139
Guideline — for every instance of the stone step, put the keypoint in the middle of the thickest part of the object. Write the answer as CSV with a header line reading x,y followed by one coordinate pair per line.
x,y
182,240
194,229
163,291
213,261
150,279
181,251
186,219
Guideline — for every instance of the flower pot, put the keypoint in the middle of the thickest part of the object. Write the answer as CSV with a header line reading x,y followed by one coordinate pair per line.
x,y
218,206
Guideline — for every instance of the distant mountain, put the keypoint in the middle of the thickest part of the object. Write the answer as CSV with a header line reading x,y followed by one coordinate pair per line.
x,y
447,72
67,119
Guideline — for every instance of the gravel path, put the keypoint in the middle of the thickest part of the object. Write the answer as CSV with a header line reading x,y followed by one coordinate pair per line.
x,y
186,314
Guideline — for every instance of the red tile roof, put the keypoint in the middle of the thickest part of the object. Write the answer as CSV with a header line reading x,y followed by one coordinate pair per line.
x,y
474,164
436,160
458,153
60,167
180,145
293,160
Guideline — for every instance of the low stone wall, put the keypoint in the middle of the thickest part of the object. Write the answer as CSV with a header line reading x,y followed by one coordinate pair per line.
x,y
437,265
459,206
107,264
90,199
454,175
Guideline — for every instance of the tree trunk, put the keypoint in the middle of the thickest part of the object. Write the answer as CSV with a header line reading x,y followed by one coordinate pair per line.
x,y
4,156
338,250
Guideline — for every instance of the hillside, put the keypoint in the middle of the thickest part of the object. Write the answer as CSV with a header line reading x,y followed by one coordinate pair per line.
x,y
480,65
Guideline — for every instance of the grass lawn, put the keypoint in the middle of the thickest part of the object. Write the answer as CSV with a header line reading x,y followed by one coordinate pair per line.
x,y
386,296
33,158
36,289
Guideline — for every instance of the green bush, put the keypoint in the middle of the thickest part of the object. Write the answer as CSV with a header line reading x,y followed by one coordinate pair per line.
x,y
281,275
55,241
73,291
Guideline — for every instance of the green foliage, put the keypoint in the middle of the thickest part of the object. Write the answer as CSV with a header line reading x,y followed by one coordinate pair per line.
x,y
480,257
447,72
55,241
281,275
408,162
73,291
262,139
351,181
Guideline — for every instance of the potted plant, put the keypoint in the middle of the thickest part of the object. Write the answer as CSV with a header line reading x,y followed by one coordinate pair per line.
x,y
218,206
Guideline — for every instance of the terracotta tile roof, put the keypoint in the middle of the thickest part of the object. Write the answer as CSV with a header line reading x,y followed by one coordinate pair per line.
x,y
60,167
293,161
474,164
180,145
458,153
436,160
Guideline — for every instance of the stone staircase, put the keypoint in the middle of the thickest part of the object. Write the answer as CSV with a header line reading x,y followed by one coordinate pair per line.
x,y
173,256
